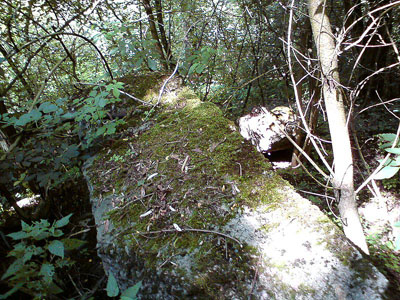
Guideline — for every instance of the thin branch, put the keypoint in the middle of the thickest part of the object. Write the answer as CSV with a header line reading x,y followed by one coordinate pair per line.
x,y
298,103
165,83
66,33
386,7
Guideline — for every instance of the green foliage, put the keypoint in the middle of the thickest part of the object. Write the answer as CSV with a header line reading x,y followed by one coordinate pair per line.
x,y
57,135
383,252
122,158
392,165
38,255
113,289
201,60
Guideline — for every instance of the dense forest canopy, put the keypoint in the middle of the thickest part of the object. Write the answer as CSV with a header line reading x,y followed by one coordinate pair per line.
x,y
64,66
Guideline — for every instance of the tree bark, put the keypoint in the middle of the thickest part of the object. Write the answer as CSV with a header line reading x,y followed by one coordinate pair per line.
x,y
333,97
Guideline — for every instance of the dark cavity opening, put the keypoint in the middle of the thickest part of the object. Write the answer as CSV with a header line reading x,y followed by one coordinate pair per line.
x,y
279,156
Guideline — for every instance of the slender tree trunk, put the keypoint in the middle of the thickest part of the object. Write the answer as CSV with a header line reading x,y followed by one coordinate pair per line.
x,y
333,97
163,37
154,33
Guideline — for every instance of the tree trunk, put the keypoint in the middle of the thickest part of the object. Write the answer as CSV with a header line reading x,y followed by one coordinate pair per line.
x,y
154,33
163,36
333,97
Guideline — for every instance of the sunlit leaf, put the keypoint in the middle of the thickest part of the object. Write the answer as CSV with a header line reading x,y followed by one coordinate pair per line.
x,y
389,137
393,150
386,172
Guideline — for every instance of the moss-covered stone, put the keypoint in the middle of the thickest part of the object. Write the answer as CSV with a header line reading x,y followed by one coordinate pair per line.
x,y
190,169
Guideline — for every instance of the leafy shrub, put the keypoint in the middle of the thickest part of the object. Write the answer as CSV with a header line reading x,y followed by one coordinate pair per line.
x,y
38,255
55,138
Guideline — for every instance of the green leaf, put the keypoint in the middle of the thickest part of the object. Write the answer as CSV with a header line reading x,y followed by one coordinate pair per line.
x,y
62,222
57,233
200,68
47,271
101,130
13,268
25,226
131,292
71,244
12,291
29,251
112,286
71,152
54,289
119,85
57,248
393,150
93,93
33,115
113,51
389,137
116,93
18,235
152,64
48,107
69,115
111,128
102,102
138,63
386,172
23,120
193,68
397,224
385,145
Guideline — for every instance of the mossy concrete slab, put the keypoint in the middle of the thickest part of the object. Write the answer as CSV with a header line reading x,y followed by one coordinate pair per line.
x,y
191,209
